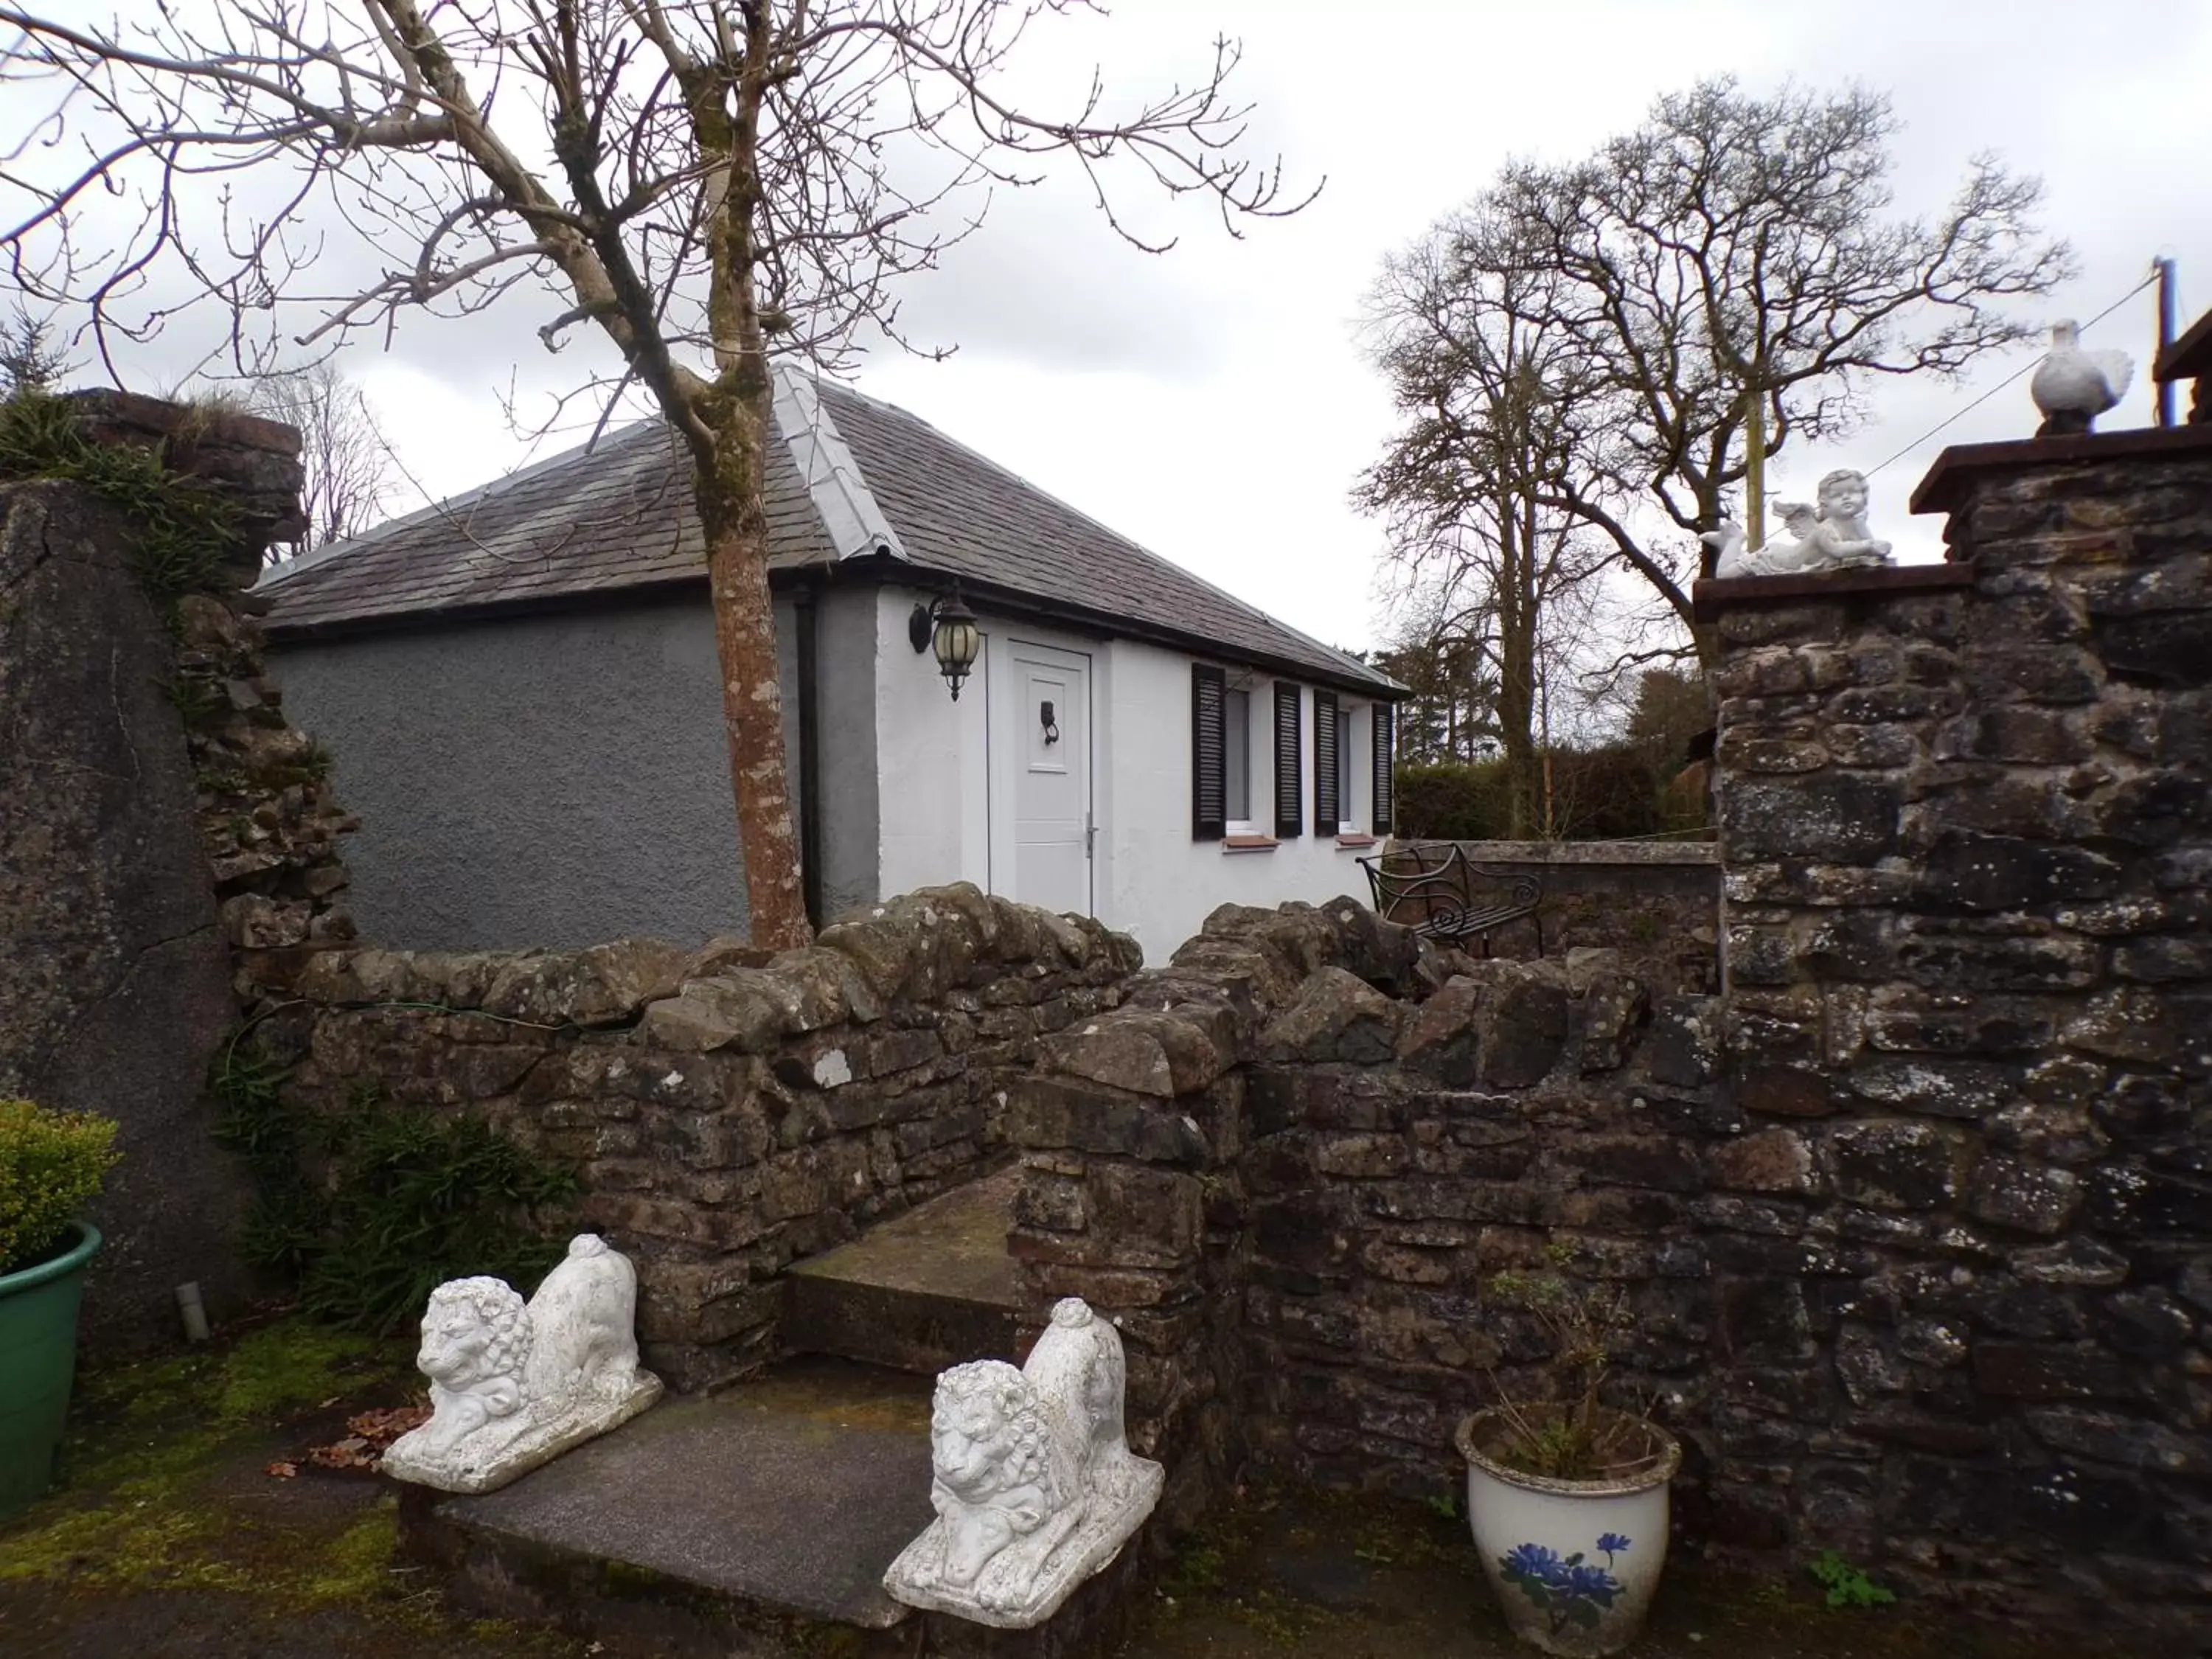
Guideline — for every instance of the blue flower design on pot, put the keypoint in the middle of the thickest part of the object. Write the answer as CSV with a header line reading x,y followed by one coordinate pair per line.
x,y
1569,1589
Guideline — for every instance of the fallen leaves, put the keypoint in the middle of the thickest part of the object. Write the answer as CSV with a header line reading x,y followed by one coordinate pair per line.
x,y
368,1434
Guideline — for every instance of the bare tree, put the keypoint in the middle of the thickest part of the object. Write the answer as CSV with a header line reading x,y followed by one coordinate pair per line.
x,y
695,178
1734,251
1491,402
346,462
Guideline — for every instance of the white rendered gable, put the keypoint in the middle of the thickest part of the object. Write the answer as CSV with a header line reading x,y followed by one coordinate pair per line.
x,y
850,513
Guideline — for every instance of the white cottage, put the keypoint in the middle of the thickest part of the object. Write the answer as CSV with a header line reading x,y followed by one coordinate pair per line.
x,y
520,690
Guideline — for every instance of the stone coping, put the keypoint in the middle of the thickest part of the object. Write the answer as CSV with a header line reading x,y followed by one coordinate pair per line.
x,y
1714,594
1694,853
1960,467
2189,354
162,418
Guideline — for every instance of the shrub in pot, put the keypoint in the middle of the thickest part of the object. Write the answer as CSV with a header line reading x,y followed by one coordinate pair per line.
x,y
51,1164
1567,1497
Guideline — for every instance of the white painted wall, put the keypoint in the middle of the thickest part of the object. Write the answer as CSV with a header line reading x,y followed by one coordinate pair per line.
x,y
932,788
1155,881
947,795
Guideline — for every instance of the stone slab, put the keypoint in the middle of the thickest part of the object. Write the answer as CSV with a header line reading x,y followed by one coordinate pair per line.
x,y
1713,594
1956,470
953,1246
791,1495
930,1289
587,1420
1696,855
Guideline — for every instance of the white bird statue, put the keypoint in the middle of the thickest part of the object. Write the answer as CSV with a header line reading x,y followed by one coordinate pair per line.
x,y
2072,386
1726,545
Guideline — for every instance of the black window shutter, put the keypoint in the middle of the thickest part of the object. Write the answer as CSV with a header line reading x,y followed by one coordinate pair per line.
x,y
1289,795
1209,776
1325,815
1386,732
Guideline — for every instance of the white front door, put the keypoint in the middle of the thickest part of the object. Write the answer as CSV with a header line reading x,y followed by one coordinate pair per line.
x,y
1051,744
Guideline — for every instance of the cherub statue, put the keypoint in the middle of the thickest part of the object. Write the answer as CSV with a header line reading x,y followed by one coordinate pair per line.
x,y
1032,1479
1845,535
1832,536
512,1385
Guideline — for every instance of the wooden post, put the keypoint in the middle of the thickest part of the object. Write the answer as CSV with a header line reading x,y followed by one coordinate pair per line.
x,y
2166,320
1754,474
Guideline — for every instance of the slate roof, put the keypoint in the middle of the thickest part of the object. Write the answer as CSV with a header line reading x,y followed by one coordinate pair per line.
x,y
619,516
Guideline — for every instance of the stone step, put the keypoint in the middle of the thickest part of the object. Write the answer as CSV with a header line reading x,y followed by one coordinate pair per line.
x,y
927,1289
759,1519
756,1524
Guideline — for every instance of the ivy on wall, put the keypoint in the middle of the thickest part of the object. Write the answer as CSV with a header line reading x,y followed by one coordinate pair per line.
x,y
370,1207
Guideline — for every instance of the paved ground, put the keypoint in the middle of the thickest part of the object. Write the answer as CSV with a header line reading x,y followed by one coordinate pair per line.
x,y
173,1542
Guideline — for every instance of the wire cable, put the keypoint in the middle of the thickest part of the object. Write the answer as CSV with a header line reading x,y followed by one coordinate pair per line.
x,y
2023,370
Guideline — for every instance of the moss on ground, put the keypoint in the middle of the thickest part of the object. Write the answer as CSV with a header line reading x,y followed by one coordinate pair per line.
x,y
164,1496
135,1508
282,1368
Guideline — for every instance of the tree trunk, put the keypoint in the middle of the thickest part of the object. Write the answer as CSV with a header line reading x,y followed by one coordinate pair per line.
x,y
1517,708
729,476
736,527
1517,669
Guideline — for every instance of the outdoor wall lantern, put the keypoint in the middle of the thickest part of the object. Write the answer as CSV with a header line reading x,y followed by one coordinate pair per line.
x,y
950,627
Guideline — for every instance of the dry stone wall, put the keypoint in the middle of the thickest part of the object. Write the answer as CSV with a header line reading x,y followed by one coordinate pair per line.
x,y
1291,1168
1969,956
728,1112
1655,904
1915,1215
1135,1131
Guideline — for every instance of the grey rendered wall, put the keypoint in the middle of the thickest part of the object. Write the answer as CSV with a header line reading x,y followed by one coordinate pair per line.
x,y
545,780
845,646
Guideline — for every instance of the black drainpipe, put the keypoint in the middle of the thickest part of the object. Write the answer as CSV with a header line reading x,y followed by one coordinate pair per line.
x,y
809,758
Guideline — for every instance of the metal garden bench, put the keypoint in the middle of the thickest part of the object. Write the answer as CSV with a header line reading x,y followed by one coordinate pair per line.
x,y
1441,894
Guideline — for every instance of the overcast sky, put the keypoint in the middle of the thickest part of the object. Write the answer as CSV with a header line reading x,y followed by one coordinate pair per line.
x,y
1212,403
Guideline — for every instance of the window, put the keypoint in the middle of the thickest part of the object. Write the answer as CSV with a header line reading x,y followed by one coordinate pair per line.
x,y
1209,753
1290,817
1345,822
1384,755
1220,753
1237,759
1329,765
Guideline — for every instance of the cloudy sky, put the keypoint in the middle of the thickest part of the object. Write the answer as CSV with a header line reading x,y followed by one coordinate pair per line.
x,y
1213,402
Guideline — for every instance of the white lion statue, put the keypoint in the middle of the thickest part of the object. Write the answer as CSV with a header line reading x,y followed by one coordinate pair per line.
x,y
512,1385
1032,1479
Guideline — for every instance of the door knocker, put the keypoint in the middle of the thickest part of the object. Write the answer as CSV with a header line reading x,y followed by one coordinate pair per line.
x,y
1044,714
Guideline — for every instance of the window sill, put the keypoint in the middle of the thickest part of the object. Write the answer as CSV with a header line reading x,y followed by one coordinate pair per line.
x,y
1248,844
1354,843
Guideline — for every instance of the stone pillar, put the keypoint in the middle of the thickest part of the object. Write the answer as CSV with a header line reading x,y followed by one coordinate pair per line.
x,y
1965,827
1130,1135
116,991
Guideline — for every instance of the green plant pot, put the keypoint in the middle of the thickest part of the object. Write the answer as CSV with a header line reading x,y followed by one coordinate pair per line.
x,y
37,1361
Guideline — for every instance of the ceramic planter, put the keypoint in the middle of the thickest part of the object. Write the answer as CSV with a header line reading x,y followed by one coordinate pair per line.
x,y
37,1361
1573,1563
